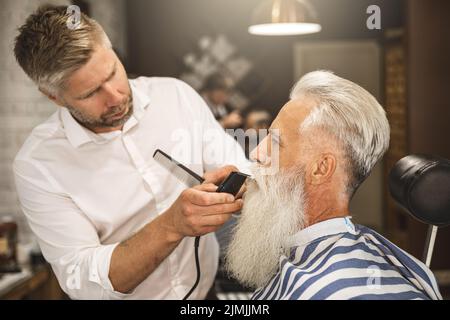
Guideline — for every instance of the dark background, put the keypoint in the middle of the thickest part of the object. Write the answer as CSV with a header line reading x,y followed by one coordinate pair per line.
x,y
161,32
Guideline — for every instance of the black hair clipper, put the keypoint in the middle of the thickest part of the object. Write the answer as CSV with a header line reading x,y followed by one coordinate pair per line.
x,y
233,183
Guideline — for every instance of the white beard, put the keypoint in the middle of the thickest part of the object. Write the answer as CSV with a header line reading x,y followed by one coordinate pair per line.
x,y
273,211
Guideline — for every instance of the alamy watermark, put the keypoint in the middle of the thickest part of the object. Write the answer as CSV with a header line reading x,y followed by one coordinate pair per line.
x,y
374,20
218,152
74,19
374,280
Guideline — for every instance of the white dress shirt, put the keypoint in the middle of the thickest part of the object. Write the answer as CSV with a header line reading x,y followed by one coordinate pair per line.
x,y
83,193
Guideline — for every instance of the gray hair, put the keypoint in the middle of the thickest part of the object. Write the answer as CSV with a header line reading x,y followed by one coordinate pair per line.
x,y
352,115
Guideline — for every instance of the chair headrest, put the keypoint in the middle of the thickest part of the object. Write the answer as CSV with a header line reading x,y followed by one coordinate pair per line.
x,y
421,185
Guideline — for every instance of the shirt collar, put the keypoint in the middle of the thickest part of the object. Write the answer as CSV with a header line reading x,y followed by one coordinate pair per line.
x,y
78,135
141,100
321,229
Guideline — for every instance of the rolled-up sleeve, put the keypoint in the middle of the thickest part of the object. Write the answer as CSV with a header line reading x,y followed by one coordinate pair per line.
x,y
67,238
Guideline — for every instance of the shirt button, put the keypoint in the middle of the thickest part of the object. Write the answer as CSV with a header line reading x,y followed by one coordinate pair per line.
x,y
94,277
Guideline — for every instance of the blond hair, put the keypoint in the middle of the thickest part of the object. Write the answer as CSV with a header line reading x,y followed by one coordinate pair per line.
x,y
49,51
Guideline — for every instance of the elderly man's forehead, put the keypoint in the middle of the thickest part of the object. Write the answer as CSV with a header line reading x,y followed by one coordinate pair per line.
x,y
293,113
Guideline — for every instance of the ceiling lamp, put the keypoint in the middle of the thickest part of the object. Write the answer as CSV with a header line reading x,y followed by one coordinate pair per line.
x,y
284,17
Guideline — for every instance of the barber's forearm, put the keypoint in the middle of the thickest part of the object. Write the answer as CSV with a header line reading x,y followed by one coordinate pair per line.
x,y
135,259
196,212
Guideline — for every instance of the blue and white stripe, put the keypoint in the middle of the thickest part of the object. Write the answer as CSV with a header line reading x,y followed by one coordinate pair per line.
x,y
335,259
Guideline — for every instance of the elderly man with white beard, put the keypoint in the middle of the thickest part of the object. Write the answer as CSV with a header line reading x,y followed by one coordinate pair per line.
x,y
294,239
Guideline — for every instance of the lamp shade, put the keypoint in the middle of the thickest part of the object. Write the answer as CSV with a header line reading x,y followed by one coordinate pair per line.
x,y
284,17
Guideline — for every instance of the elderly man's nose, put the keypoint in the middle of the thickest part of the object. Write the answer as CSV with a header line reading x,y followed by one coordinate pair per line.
x,y
259,155
254,155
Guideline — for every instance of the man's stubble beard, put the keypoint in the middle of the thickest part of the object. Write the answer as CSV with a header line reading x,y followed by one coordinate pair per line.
x,y
273,211
104,121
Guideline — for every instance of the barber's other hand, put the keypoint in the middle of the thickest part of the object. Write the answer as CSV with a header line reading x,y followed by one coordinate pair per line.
x,y
201,210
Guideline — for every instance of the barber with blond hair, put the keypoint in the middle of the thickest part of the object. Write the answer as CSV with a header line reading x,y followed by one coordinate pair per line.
x,y
112,222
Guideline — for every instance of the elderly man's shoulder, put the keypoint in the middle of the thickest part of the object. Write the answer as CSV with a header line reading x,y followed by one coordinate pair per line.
x,y
359,264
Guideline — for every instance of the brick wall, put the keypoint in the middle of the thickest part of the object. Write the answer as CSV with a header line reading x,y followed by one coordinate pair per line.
x,y
397,111
22,106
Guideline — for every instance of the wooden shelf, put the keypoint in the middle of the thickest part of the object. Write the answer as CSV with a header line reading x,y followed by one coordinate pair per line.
x,y
41,284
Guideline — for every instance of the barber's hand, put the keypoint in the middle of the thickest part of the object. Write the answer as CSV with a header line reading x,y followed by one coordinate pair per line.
x,y
200,210
218,175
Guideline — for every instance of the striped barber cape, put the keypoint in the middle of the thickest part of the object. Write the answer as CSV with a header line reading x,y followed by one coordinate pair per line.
x,y
336,259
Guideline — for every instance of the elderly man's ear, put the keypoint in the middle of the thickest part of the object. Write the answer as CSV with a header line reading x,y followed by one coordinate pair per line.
x,y
323,169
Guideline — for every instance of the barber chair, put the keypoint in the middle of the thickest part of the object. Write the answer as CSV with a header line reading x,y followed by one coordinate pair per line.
x,y
420,184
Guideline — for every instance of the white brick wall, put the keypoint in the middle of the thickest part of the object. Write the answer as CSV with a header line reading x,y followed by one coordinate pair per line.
x,y
22,106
